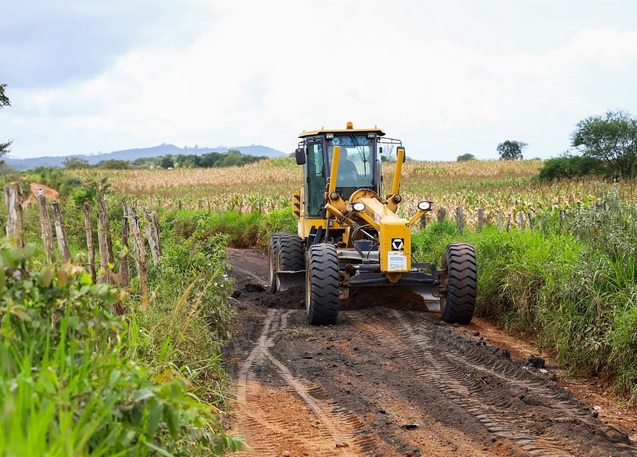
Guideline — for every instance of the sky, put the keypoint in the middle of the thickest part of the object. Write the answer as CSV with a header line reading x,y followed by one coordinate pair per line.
x,y
447,77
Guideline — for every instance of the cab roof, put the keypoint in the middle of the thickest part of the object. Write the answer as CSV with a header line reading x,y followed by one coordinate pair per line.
x,y
349,129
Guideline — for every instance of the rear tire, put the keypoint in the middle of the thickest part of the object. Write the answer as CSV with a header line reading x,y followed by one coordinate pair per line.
x,y
273,257
322,284
459,285
290,250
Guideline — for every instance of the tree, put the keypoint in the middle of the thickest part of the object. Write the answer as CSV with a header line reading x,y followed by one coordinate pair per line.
x,y
167,161
466,157
114,164
611,138
4,101
74,163
511,150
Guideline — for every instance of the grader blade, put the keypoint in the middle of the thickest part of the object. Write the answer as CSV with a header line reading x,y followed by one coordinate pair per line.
x,y
290,279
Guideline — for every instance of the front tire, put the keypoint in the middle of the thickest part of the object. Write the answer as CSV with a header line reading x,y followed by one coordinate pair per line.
x,y
322,284
459,283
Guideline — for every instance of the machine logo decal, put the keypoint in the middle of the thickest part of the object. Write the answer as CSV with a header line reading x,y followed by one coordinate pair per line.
x,y
398,244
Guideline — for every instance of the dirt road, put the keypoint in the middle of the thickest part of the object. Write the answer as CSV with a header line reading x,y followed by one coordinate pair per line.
x,y
393,381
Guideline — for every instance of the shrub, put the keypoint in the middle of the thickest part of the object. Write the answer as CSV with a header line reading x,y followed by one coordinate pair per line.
x,y
71,381
569,166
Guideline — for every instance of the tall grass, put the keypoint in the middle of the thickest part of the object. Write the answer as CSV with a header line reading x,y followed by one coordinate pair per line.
x,y
574,293
73,378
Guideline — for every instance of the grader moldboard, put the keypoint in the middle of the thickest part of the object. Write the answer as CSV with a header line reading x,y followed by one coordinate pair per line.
x,y
350,237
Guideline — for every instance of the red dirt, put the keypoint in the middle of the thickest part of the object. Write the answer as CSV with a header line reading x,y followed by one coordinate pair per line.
x,y
49,194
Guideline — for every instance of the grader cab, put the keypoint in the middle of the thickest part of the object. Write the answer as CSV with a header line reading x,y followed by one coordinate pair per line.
x,y
350,236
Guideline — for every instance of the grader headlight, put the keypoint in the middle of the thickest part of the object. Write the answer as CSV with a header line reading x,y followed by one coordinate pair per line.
x,y
358,206
424,206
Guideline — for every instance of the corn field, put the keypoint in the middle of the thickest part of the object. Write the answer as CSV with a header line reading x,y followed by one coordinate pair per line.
x,y
504,187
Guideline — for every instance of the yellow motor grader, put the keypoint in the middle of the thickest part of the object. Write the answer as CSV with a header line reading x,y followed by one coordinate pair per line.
x,y
349,236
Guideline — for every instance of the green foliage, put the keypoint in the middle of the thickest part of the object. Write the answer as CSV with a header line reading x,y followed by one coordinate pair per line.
x,y
239,230
611,138
166,161
72,382
575,292
114,164
281,220
465,157
570,166
511,150
75,163
208,160
51,177
429,244
188,320
4,101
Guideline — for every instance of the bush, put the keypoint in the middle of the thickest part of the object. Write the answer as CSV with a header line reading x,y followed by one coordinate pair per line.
x,y
72,381
569,166
575,293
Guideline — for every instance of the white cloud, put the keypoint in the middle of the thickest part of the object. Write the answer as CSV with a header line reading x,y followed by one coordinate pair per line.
x,y
448,78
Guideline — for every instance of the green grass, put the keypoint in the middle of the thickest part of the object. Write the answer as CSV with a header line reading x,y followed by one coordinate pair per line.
x,y
575,299
76,380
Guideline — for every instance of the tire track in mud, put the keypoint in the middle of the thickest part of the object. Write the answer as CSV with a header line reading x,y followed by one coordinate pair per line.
x,y
473,379
335,428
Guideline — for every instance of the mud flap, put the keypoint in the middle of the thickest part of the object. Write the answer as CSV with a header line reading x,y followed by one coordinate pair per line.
x,y
289,279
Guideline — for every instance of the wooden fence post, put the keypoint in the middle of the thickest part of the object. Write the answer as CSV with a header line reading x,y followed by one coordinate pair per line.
x,y
521,223
459,219
480,218
60,232
442,214
123,257
89,241
423,221
140,256
47,232
152,234
104,239
15,220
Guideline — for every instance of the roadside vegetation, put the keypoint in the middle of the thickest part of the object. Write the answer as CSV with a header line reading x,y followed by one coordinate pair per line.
x,y
150,380
572,291
87,370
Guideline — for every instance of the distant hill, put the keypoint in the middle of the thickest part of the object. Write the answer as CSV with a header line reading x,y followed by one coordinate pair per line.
x,y
132,154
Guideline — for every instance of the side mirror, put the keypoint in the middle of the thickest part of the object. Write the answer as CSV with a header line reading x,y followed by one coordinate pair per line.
x,y
300,156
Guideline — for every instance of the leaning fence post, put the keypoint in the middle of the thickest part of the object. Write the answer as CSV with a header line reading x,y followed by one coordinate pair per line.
x,y
60,232
47,232
480,218
89,240
15,221
152,233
